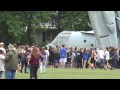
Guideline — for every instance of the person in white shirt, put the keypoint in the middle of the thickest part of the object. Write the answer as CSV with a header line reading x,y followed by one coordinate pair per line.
x,y
2,69
102,59
47,55
2,48
107,58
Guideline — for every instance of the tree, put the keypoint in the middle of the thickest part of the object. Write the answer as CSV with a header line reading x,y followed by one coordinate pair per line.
x,y
10,26
71,20
35,20
17,26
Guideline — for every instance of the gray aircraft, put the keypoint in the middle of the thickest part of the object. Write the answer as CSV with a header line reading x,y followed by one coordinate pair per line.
x,y
106,26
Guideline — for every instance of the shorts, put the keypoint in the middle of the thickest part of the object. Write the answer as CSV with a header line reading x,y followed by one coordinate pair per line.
x,y
63,60
106,61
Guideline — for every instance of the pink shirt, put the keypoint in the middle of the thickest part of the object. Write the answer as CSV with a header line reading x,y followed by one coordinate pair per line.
x,y
95,56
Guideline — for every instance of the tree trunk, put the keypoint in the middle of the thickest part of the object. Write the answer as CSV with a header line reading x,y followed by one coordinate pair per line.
x,y
29,31
59,18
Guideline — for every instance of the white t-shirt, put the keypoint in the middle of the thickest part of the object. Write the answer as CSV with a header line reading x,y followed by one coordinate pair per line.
x,y
101,54
2,57
47,53
107,55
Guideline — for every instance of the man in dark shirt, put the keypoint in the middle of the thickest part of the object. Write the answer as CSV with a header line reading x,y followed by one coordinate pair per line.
x,y
79,58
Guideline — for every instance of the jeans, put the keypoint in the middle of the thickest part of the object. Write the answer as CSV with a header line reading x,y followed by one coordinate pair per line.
x,y
22,65
1,74
102,63
42,66
33,71
28,68
10,74
79,62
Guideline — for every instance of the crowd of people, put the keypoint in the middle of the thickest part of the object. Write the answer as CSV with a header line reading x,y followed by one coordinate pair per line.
x,y
14,58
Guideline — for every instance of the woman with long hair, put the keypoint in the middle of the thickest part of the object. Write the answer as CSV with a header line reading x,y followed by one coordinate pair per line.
x,y
34,63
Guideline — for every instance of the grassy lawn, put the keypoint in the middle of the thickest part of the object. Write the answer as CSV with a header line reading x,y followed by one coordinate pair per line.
x,y
58,73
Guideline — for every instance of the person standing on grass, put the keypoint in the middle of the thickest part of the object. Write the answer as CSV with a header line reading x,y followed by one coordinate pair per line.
x,y
2,57
19,58
102,59
51,57
93,62
28,56
23,62
85,57
28,59
47,55
113,58
11,63
79,58
116,58
69,56
92,55
95,58
73,56
74,62
56,59
19,62
43,60
63,56
58,53
107,58
34,63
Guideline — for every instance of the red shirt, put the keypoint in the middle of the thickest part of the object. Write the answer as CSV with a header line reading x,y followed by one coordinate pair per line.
x,y
34,60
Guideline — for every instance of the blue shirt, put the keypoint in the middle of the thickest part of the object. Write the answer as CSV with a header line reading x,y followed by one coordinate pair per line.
x,y
91,51
62,53
86,55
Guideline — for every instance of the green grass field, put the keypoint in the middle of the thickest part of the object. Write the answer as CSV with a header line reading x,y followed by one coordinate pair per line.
x,y
58,73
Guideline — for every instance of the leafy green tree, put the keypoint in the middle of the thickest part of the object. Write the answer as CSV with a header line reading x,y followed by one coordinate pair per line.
x,y
34,20
10,26
71,20
17,26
